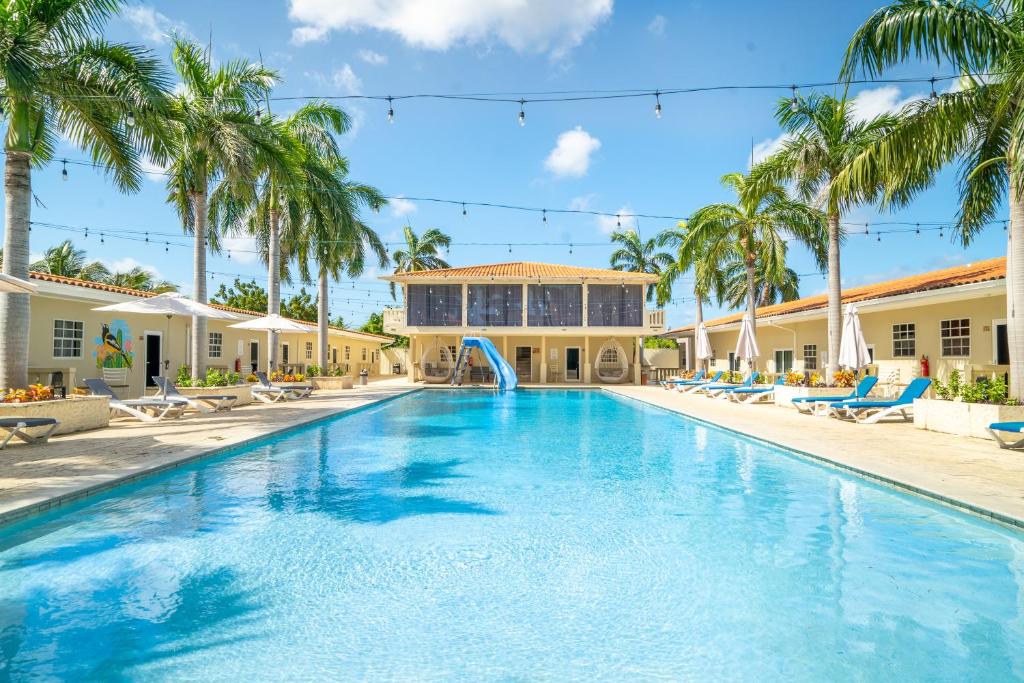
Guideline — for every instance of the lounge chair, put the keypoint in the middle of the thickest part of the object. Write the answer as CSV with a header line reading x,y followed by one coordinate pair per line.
x,y
809,404
669,383
15,426
722,390
688,386
995,428
293,390
754,394
206,403
870,412
139,408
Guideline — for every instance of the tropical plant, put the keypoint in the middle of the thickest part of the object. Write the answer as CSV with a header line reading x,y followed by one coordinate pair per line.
x,y
422,252
636,255
67,261
247,296
756,227
823,138
217,138
768,291
980,123
844,378
141,279
299,306
60,78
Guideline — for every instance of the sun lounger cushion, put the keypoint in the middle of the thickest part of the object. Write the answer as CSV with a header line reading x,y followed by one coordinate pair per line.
x,y
27,422
1007,426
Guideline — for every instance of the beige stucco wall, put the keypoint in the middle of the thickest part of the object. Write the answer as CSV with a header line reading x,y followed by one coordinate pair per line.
x,y
982,311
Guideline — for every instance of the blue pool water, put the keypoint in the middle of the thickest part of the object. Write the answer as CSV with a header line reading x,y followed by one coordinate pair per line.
x,y
541,534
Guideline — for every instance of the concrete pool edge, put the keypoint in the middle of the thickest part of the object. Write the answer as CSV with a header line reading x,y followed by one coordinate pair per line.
x,y
1004,519
19,513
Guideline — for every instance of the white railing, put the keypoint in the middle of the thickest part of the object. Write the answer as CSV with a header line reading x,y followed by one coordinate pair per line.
x,y
394,319
656,320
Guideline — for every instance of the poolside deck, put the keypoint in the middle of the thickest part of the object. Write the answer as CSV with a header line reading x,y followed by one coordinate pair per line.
x,y
35,478
965,472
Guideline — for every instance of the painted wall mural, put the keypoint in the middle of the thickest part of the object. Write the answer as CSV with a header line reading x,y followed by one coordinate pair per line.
x,y
114,346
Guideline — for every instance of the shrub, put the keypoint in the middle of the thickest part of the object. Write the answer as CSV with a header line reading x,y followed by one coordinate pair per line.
x,y
315,371
33,394
276,376
816,380
844,378
251,378
982,391
794,379
184,377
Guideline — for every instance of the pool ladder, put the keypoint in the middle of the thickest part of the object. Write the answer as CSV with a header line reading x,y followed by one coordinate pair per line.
x,y
460,365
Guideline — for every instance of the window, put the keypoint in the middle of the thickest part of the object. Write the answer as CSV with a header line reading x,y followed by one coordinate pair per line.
x,y
364,353
810,356
555,305
615,305
904,340
309,350
216,344
67,339
348,353
434,305
955,336
783,360
495,305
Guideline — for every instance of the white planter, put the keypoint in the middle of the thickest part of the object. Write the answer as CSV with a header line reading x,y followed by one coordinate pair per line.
x,y
242,391
74,414
343,382
784,395
964,419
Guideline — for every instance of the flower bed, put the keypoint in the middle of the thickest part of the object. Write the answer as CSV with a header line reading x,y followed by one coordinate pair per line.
x,y
74,414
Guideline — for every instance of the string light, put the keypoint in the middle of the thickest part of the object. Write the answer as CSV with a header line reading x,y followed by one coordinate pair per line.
x,y
130,119
544,216
391,110
794,103
918,230
935,95
463,209
522,112
64,171
657,105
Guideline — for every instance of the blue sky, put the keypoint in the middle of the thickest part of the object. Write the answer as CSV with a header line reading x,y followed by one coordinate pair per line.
x,y
608,156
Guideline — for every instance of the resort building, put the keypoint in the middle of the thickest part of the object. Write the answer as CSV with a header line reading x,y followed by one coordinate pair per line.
x,y
551,323
70,342
954,318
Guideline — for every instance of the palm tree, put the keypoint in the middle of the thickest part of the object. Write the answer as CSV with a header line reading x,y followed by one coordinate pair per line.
x,y
823,139
636,255
142,280
67,261
756,229
60,78
217,136
422,252
980,124
769,291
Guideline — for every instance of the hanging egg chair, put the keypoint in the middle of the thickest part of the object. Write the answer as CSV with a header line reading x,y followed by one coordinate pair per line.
x,y
612,365
437,364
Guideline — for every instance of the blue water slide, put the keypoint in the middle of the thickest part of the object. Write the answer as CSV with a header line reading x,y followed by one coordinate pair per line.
x,y
507,380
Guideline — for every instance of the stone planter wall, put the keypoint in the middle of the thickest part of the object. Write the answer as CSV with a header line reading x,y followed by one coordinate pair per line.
x,y
74,414
784,395
242,391
964,419
344,382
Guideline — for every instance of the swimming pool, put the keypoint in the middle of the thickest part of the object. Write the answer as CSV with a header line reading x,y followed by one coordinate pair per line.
x,y
539,534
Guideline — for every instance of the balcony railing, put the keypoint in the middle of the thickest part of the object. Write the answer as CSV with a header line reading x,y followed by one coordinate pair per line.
x,y
395,321
656,320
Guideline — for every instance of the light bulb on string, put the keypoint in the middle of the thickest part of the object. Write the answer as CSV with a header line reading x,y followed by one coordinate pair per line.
x,y
391,110
867,228
101,238
64,171
794,102
934,95
130,119
940,232
544,215
463,208
522,112
879,237
918,229
510,248
618,220
570,248
657,104
167,246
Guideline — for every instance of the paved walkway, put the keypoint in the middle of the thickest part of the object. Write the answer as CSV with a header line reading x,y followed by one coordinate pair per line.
x,y
963,471
34,478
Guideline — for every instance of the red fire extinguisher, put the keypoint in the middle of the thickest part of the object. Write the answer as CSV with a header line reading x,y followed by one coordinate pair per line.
x,y
924,366
238,365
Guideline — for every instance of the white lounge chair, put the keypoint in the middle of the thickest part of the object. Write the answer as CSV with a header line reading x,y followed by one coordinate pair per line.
x,y
139,408
205,403
15,428
294,390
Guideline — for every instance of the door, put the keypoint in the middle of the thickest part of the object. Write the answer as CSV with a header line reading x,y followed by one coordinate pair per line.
x,y
572,364
154,359
1002,345
254,356
524,364
284,356
783,360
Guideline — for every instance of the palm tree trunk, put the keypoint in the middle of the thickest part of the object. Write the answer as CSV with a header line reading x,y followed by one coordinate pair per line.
x,y
698,318
322,320
835,298
1014,291
273,283
199,333
14,308
752,290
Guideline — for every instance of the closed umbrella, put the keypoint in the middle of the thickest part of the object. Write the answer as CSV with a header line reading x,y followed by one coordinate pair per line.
x,y
702,344
13,285
853,350
746,345
273,323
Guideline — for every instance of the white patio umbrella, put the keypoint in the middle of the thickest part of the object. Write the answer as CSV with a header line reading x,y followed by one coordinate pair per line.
x,y
702,344
13,285
746,344
853,350
273,323
168,304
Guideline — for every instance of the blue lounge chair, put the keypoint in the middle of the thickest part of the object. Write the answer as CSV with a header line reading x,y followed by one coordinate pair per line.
x,y
693,385
669,383
722,390
870,412
1010,428
754,394
809,404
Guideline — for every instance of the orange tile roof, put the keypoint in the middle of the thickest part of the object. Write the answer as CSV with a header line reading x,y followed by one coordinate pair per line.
x,y
525,270
971,273
103,287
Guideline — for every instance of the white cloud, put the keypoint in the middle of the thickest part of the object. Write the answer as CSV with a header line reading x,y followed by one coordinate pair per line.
x,y
153,171
373,58
150,24
657,25
767,147
401,207
571,155
581,203
623,220
346,79
885,100
524,25
123,265
242,249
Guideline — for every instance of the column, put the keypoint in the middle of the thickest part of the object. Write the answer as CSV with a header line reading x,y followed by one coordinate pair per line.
x,y
410,363
526,307
637,370
543,360
586,359
585,312
465,304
